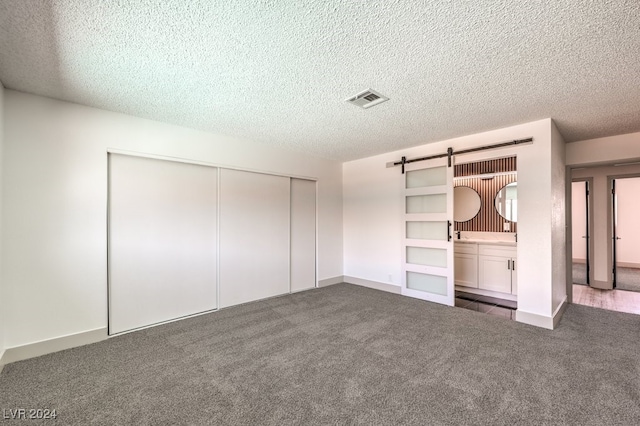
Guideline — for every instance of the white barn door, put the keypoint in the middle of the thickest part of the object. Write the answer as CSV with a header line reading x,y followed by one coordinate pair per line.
x,y
428,220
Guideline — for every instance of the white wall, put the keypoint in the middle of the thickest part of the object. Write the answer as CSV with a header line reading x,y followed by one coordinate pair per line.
x,y
603,150
628,249
373,211
558,219
3,301
54,212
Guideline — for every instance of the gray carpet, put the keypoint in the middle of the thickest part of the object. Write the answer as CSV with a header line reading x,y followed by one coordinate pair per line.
x,y
344,355
628,279
579,273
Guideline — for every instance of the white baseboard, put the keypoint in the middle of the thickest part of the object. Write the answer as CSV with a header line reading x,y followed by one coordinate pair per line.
x,y
629,265
331,281
32,350
620,264
559,312
373,284
540,320
534,319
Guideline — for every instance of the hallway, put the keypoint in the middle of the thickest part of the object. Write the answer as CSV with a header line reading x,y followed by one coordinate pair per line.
x,y
605,235
612,300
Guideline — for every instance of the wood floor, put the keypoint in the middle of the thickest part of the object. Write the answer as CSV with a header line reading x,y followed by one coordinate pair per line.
x,y
612,300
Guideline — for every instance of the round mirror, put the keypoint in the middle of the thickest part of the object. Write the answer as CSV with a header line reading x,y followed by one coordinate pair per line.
x,y
506,202
466,203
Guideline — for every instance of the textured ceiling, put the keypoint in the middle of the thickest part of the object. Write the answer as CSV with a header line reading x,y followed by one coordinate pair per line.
x,y
278,72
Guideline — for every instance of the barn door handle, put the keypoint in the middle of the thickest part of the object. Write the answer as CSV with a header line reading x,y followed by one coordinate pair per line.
x,y
448,230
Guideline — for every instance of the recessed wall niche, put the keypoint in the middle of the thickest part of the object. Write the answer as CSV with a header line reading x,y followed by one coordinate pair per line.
x,y
486,178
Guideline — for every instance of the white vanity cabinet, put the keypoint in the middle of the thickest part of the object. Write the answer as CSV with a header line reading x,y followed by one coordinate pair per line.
x,y
496,268
465,258
486,266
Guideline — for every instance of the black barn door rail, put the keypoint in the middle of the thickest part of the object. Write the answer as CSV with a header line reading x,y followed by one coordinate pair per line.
x,y
450,152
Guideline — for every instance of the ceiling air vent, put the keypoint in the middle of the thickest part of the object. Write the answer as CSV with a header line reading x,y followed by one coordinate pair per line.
x,y
367,99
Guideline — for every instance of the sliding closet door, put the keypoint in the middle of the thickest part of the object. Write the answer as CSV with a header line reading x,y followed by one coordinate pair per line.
x,y
162,241
254,236
303,234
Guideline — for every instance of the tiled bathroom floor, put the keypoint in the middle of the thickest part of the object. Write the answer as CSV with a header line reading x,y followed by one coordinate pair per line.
x,y
489,305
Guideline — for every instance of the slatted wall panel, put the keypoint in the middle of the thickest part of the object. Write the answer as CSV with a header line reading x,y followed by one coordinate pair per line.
x,y
488,219
498,165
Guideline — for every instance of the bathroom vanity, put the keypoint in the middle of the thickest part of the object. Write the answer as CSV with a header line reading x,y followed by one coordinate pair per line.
x,y
487,266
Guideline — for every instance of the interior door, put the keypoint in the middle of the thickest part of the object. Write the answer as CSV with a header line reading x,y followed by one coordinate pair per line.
x,y
580,232
428,246
587,236
614,231
626,234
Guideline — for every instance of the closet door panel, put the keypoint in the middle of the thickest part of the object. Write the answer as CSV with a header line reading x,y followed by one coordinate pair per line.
x,y
254,236
162,241
303,234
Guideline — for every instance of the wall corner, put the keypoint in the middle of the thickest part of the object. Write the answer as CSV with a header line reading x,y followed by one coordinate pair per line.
x,y
559,222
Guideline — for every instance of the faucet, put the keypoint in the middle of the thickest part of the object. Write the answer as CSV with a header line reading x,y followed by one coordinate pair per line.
x,y
458,232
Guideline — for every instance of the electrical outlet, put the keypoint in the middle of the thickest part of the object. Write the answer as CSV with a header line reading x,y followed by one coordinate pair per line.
x,y
390,278
507,226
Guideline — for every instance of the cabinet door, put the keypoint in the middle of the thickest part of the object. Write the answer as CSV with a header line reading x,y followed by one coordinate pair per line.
x,y
466,270
495,273
514,277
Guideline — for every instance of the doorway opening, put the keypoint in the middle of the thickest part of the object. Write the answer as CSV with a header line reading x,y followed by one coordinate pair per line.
x,y
625,233
485,218
606,237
